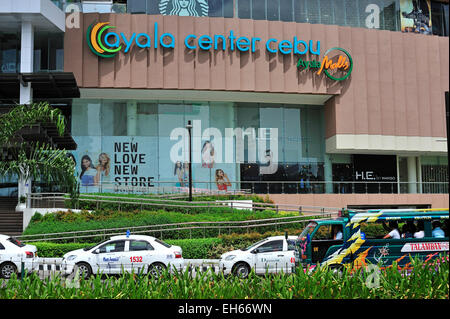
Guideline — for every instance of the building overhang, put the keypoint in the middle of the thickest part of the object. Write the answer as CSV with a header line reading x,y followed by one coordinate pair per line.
x,y
205,96
386,144
44,15
51,85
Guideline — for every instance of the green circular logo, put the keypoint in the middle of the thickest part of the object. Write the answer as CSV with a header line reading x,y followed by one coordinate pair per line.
x,y
350,68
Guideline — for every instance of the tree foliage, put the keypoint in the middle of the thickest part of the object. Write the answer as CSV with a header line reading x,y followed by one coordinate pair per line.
x,y
35,160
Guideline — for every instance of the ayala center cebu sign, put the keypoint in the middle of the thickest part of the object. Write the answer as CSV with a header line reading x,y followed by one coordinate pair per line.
x,y
106,43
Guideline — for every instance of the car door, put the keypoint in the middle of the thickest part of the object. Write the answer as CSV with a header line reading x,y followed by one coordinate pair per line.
x,y
111,257
321,241
269,256
140,255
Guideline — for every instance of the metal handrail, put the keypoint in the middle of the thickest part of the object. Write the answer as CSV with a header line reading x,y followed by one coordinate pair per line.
x,y
174,224
224,204
135,229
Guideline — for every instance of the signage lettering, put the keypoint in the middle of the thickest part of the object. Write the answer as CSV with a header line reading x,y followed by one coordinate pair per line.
x,y
108,44
430,246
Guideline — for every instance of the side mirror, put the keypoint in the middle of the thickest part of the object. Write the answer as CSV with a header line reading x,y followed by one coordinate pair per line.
x,y
255,251
97,251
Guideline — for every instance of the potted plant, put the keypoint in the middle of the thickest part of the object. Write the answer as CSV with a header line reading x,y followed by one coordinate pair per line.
x,y
22,204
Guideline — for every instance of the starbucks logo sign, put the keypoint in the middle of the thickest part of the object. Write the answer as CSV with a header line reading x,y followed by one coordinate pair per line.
x,y
194,8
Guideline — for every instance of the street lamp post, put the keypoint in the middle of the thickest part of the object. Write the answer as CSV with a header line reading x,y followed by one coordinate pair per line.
x,y
189,128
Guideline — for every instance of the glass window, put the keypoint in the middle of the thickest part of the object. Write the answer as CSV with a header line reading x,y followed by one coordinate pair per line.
x,y
147,119
323,233
112,247
9,52
308,230
163,243
258,10
300,13
339,12
255,244
137,245
16,242
2,247
326,12
438,228
273,10
351,13
48,51
244,9
228,8
313,9
215,8
439,18
390,16
271,246
435,179
286,10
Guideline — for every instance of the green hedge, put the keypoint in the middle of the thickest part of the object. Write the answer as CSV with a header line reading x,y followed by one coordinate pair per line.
x,y
192,248
193,209
103,219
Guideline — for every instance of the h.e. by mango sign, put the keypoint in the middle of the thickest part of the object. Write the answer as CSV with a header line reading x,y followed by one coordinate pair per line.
x,y
106,44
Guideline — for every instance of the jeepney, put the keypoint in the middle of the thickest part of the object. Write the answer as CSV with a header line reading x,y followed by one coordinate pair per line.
x,y
362,241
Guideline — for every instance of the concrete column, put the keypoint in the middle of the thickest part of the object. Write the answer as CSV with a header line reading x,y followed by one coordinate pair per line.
x,y
26,92
131,118
412,175
26,61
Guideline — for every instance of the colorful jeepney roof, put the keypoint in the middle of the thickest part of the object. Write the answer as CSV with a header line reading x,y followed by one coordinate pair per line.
x,y
398,214
355,242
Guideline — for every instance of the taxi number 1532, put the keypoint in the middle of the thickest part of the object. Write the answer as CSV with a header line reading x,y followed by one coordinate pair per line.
x,y
136,259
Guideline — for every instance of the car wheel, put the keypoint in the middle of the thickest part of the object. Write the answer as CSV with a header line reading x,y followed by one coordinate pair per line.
x,y
241,270
156,269
84,269
7,269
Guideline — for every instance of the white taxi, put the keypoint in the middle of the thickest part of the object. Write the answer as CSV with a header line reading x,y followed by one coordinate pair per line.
x,y
273,254
13,253
127,253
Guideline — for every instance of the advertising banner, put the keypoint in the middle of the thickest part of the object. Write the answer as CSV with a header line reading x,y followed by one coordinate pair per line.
x,y
415,16
143,164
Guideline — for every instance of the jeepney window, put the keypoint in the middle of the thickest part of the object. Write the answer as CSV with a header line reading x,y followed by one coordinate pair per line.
x,y
323,233
308,229
373,230
445,228
437,228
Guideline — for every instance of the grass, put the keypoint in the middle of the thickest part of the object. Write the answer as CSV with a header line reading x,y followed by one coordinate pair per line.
x,y
425,281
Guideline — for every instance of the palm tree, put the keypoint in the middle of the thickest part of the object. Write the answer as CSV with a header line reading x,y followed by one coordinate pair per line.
x,y
33,160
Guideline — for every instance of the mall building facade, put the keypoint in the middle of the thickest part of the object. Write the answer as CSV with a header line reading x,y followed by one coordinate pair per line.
x,y
316,103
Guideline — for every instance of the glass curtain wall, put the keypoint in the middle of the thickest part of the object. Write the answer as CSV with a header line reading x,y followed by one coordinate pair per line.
x,y
9,52
145,143
48,52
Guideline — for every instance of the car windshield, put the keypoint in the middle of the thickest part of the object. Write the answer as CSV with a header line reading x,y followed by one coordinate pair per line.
x,y
90,247
15,242
308,230
254,245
